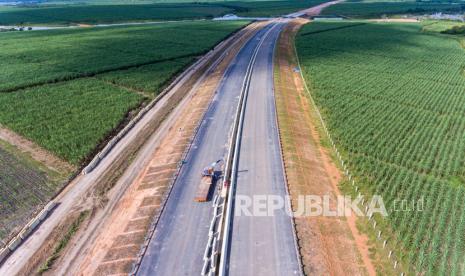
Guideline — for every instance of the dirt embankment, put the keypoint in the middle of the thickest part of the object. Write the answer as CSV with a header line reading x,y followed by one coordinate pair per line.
x,y
328,245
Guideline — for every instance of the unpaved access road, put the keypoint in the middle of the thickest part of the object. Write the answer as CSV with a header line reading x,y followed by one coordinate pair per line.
x,y
314,11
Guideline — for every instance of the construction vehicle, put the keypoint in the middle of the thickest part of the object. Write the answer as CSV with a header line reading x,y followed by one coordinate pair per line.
x,y
208,177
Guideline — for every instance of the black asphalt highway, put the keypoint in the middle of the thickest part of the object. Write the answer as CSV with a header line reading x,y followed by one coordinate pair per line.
x,y
179,241
262,244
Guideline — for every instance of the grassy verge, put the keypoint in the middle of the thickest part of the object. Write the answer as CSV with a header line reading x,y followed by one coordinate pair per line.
x,y
61,245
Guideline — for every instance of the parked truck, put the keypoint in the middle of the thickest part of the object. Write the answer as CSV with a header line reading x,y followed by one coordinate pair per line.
x,y
206,181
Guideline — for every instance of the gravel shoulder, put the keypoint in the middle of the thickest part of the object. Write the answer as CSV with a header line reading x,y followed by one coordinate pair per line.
x,y
36,152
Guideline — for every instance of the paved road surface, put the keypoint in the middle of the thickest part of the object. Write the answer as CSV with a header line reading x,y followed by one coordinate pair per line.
x,y
181,235
259,246
262,245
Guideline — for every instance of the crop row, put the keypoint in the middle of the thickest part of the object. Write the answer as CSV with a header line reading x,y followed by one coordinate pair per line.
x,y
70,118
108,13
394,100
115,12
378,8
148,79
38,57
22,188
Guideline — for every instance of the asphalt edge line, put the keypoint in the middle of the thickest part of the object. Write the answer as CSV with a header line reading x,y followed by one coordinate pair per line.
x,y
278,127
224,237
225,183
226,176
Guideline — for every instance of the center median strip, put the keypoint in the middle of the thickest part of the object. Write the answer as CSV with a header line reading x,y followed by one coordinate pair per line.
x,y
229,182
225,56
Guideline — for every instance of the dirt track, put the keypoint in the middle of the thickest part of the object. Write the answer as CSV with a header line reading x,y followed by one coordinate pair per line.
x,y
313,11
36,152
328,245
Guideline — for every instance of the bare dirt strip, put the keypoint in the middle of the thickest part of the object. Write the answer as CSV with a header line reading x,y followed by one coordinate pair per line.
x,y
316,10
36,152
118,244
328,245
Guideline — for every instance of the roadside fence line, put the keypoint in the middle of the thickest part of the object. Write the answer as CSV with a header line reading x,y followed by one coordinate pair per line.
x,y
346,172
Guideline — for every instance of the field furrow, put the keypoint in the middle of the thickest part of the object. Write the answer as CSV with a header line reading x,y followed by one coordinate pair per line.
x,y
394,98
